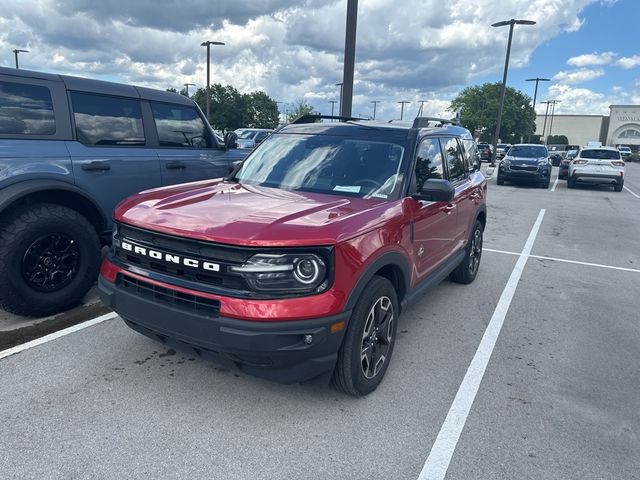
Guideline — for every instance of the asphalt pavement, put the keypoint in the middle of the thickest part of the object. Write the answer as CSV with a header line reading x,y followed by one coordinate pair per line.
x,y
558,399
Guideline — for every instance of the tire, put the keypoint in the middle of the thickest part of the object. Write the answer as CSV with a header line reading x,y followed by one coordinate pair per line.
x,y
545,185
49,259
618,186
467,270
359,375
571,183
500,179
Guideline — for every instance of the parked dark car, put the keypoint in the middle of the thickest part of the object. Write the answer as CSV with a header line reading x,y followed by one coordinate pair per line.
x,y
486,151
564,163
526,163
297,266
70,149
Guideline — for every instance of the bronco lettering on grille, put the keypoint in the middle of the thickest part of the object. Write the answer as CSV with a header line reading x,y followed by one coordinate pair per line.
x,y
177,259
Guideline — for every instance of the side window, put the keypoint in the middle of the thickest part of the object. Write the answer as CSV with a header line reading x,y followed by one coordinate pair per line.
x,y
455,159
428,162
261,136
472,154
102,120
180,126
26,110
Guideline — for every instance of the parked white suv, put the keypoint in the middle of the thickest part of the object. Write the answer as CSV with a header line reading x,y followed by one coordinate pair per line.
x,y
601,165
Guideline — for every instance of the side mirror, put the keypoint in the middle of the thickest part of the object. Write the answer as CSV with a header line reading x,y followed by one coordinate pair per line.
x,y
234,166
436,190
231,140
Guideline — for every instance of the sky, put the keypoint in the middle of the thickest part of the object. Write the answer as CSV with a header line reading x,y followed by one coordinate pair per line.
x,y
409,50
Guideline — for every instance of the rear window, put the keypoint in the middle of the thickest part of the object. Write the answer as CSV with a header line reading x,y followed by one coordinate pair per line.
x,y
596,154
180,126
26,110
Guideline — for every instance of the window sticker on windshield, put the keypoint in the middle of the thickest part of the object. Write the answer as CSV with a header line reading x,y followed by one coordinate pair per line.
x,y
380,195
347,188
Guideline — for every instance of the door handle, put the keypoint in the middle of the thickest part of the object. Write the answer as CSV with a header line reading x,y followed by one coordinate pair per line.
x,y
176,165
96,166
450,208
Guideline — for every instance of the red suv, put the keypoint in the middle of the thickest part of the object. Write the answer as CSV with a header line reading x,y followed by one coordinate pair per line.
x,y
297,265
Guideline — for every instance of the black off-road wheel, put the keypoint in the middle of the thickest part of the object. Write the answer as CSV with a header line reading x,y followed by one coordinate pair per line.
x,y
468,269
366,350
49,259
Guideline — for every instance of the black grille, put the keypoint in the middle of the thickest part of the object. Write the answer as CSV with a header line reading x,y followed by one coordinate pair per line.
x,y
193,303
526,168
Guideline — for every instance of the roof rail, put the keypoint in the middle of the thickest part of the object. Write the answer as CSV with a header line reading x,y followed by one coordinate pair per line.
x,y
315,118
423,122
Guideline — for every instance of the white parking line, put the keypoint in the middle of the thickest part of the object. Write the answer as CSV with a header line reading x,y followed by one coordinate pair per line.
x,y
553,189
53,336
631,192
564,260
435,468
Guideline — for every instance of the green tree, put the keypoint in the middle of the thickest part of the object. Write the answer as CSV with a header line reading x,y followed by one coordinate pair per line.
x,y
301,108
262,110
479,107
231,109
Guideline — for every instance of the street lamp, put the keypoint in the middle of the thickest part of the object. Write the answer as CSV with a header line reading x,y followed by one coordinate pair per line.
x,y
340,84
333,105
544,128
16,51
511,24
375,104
553,111
402,104
208,44
186,86
535,94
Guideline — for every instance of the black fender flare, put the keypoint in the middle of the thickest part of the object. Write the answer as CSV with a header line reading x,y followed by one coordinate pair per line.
x,y
15,191
395,259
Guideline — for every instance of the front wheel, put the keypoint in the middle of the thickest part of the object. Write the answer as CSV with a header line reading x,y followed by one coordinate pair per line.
x,y
500,179
49,258
467,270
366,350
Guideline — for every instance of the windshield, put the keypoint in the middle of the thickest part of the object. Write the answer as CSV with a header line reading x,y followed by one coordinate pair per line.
x,y
527,151
247,134
601,154
326,164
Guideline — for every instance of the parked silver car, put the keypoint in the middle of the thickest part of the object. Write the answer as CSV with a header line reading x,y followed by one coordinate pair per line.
x,y
250,137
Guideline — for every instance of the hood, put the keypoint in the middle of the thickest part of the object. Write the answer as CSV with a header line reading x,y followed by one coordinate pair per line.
x,y
248,215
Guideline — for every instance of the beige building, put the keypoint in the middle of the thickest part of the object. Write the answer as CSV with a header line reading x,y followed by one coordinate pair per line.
x,y
621,127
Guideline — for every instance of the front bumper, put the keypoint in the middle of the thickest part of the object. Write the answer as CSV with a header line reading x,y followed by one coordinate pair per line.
x,y
273,350
540,174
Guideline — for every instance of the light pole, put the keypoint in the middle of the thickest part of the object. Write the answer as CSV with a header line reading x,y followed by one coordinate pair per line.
x,y
402,104
421,109
544,128
346,100
341,84
186,86
375,104
511,24
16,51
208,44
333,104
535,94
553,111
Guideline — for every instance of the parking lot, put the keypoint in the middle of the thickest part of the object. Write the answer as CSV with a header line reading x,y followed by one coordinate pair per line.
x,y
532,371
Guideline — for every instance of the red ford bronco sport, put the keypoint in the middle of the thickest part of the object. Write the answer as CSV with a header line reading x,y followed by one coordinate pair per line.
x,y
297,265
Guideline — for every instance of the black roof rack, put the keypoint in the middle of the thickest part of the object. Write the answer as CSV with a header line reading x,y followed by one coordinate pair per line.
x,y
423,122
315,118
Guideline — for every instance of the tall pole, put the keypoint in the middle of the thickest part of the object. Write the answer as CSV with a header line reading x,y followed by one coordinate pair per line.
x,y
421,109
402,104
333,104
16,51
535,94
553,110
208,44
375,104
349,58
340,104
544,128
186,86
511,24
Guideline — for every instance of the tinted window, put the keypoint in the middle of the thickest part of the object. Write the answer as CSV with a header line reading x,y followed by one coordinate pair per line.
x,y
261,136
180,126
428,162
455,159
26,110
103,120
527,151
473,156
327,164
600,154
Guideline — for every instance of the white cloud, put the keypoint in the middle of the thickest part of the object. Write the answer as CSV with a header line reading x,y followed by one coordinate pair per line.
x,y
629,62
590,59
577,76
